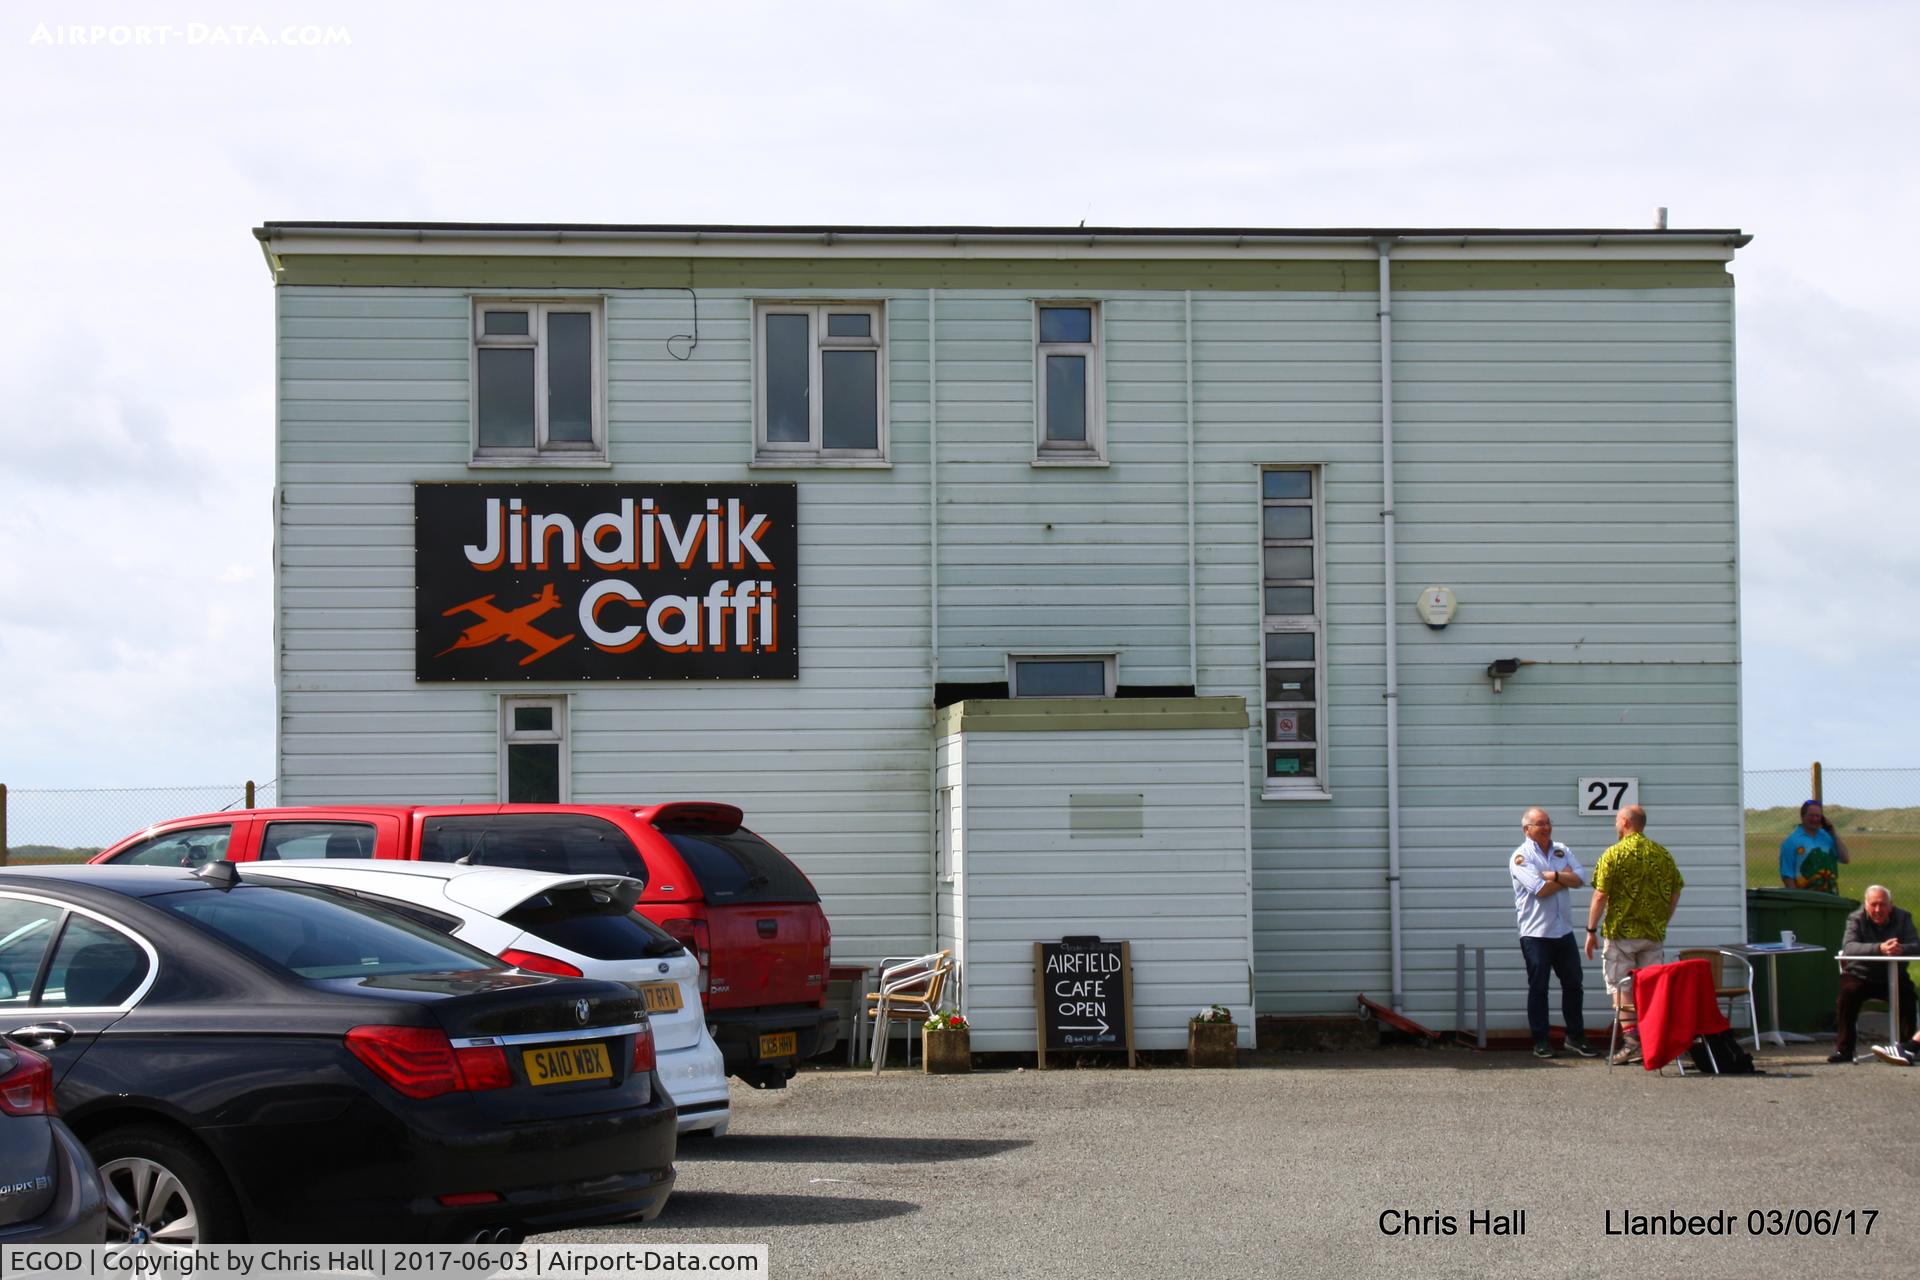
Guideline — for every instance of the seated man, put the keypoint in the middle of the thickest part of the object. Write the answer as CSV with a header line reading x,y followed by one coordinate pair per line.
x,y
1878,928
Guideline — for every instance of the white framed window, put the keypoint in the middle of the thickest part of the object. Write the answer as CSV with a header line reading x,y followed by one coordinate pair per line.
x,y
539,382
819,384
947,863
534,766
1061,675
1069,385
1292,613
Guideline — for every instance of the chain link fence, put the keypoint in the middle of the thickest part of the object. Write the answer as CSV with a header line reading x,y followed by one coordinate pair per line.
x,y
1875,812
71,825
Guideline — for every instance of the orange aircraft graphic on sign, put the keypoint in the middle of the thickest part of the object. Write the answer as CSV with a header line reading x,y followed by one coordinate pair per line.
x,y
514,624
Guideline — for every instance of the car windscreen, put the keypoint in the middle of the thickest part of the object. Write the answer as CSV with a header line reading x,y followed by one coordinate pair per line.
x,y
314,933
738,866
566,843
590,922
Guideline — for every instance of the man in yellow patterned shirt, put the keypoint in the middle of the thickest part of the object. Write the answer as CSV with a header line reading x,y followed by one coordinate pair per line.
x,y
1636,889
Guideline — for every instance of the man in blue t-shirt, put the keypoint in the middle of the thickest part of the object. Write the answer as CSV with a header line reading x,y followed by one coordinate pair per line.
x,y
1811,855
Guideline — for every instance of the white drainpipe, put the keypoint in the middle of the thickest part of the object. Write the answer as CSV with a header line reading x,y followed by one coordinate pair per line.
x,y
933,614
1392,611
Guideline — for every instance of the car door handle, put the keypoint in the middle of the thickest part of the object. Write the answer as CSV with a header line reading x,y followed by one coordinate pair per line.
x,y
41,1035
767,928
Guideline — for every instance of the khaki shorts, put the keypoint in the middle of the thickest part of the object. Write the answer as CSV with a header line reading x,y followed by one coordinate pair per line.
x,y
1621,956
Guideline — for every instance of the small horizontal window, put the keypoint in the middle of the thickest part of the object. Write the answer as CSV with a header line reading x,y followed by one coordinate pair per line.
x,y
1071,676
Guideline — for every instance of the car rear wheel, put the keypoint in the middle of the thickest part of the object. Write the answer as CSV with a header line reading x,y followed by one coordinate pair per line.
x,y
173,1193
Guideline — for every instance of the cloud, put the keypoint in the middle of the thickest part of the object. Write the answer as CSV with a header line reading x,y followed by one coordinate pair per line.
x,y
136,355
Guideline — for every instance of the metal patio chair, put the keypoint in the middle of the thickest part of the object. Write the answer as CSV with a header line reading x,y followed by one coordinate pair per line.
x,y
1730,993
910,988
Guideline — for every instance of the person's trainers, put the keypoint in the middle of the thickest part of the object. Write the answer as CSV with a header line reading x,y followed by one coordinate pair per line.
x,y
1839,1057
1898,1054
1543,1050
1582,1049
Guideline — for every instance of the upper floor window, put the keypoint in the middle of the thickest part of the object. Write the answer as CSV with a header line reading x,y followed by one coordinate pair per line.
x,y
820,383
538,382
1292,610
1069,384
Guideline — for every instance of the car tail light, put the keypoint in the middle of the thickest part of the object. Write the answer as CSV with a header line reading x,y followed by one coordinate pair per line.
x,y
27,1090
534,962
693,935
421,1062
643,1050
483,1067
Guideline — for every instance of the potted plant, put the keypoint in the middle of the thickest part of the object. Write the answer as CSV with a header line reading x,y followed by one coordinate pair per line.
x,y
1212,1038
946,1043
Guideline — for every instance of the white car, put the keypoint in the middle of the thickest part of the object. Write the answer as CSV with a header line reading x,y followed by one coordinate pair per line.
x,y
579,925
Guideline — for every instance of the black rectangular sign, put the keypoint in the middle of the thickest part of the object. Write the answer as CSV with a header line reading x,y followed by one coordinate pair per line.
x,y
1084,990
518,581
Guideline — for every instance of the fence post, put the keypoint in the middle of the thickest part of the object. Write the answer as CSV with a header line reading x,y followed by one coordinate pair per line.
x,y
249,803
3,824
1816,780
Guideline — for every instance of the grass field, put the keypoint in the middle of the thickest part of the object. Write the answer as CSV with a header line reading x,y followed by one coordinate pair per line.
x,y
42,854
1885,844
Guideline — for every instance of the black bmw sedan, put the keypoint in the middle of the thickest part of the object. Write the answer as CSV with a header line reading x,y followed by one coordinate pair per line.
x,y
271,1062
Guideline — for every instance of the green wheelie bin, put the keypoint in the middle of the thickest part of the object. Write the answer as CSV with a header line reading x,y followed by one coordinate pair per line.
x,y
1809,984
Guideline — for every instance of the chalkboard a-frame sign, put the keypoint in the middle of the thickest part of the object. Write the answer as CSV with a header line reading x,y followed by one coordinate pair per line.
x,y
1083,996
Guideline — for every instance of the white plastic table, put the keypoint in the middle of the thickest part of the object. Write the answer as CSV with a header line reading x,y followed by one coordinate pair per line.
x,y
1771,953
1893,991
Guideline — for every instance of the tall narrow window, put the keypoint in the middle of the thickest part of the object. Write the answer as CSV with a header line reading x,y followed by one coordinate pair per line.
x,y
949,860
1068,384
1294,660
537,382
820,384
533,750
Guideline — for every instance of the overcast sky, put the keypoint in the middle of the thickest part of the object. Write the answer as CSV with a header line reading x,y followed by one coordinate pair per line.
x,y
136,441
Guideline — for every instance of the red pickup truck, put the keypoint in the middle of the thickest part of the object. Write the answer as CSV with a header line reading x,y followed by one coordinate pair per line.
x,y
749,915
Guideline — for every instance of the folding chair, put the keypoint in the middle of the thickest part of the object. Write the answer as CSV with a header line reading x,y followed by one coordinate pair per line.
x,y
1726,991
909,992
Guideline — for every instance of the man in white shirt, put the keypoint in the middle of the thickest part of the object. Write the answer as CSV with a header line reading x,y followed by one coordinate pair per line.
x,y
1543,871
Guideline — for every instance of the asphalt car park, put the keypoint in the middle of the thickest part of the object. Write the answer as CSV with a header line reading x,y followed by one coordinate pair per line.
x,y
1286,1166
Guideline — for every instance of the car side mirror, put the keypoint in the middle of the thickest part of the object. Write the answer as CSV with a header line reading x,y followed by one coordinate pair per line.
x,y
6,987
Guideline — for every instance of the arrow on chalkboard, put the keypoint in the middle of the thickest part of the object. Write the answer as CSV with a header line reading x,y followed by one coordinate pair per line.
x,y
1103,1028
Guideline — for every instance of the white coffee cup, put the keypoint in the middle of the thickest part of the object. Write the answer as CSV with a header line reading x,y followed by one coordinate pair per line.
x,y
1787,938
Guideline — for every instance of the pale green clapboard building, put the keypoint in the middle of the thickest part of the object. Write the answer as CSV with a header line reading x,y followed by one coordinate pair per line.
x,y
1116,554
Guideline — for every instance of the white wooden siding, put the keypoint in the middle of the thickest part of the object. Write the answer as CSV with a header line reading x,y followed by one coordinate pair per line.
x,y
1565,464
833,767
1177,892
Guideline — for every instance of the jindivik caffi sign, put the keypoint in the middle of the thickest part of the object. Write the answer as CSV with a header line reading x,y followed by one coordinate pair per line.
x,y
519,581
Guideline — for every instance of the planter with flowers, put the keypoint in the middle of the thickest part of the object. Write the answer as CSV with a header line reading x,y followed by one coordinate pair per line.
x,y
947,1044
1212,1039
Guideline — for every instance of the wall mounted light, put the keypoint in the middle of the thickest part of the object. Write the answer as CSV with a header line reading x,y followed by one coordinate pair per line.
x,y
1500,668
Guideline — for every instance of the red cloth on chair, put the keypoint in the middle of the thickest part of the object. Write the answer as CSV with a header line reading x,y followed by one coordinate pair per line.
x,y
1675,1003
